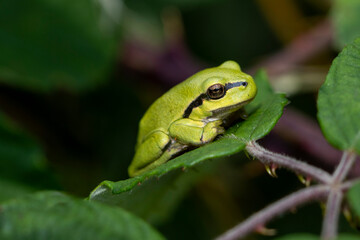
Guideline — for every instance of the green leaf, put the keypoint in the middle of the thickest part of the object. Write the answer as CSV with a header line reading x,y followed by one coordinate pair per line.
x,y
145,194
153,199
298,236
265,91
348,237
346,18
53,44
339,98
53,215
354,199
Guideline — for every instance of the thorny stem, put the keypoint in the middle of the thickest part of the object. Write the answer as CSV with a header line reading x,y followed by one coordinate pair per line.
x,y
333,205
346,162
297,166
348,184
331,187
330,223
275,209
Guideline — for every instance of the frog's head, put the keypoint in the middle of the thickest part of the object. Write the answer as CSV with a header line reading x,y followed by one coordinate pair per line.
x,y
225,89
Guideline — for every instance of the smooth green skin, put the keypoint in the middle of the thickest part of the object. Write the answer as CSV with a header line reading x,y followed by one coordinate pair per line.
x,y
164,132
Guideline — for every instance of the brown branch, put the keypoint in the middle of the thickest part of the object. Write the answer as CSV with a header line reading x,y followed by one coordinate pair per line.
x,y
300,50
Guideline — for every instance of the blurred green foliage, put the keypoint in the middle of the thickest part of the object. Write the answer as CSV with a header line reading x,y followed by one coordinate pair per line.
x,y
354,199
229,30
53,215
75,77
23,165
48,45
345,15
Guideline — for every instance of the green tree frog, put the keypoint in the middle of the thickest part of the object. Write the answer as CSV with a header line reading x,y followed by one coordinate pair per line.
x,y
190,114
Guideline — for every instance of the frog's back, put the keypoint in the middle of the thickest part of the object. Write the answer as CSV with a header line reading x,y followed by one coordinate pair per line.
x,y
169,107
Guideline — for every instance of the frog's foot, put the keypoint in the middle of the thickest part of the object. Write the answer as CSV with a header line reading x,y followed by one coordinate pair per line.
x,y
211,130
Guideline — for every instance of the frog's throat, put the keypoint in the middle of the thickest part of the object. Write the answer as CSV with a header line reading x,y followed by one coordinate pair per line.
x,y
223,112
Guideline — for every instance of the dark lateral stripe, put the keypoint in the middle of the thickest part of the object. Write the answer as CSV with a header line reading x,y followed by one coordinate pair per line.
x,y
199,100
235,84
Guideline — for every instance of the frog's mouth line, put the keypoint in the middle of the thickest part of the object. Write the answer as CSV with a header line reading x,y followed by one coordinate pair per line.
x,y
229,108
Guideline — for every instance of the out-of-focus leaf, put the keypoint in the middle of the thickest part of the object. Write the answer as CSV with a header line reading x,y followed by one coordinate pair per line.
x,y
354,199
53,215
299,236
11,190
21,158
164,180
66,44
339,98
348,237
346,18
144,20
229,30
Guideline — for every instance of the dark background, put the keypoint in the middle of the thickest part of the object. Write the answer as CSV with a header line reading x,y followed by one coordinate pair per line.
x,y
76,77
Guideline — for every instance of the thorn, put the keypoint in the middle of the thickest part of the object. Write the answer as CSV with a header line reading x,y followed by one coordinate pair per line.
x,y
247,155
308,181
271,170
323,207
301,178
352,220
304,180
347,214
265,231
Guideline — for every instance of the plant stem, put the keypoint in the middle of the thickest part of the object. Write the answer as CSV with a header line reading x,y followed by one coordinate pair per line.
x,y
333,205
332,188
348,184
342,170
262,217
331,219
297,166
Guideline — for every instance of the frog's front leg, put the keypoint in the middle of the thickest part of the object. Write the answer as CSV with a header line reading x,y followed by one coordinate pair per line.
x,y
195,132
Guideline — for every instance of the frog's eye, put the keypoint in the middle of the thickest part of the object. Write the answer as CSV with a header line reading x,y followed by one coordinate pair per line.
x,y
216,91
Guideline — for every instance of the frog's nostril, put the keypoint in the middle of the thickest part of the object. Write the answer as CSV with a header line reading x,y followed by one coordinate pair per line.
x,y
244,84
